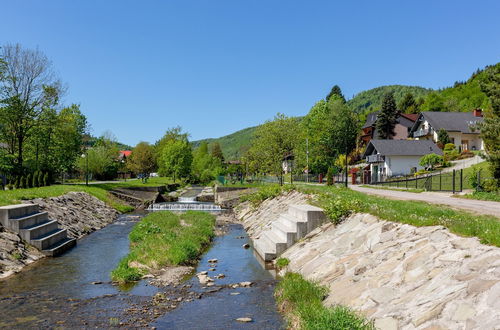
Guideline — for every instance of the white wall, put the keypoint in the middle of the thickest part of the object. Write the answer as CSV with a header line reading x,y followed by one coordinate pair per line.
x,y
401,165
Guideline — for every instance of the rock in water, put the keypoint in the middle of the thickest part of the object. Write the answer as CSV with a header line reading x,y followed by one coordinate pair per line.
x,y
244,319
246,246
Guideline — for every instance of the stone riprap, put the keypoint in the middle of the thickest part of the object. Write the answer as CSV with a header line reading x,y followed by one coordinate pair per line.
x,y
78,212
256,220
15,253
401,276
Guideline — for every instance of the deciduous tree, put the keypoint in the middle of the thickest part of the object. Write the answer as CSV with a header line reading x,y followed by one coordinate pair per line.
x,y
142,160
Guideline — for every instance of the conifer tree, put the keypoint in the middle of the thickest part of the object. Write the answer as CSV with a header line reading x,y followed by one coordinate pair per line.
x,y
217,151
336,91
387,118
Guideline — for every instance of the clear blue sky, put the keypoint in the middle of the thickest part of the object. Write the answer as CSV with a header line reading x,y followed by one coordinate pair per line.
x,y
213,67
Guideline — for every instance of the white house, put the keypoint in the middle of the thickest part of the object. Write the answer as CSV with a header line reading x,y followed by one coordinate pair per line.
x,y
397,157
461,127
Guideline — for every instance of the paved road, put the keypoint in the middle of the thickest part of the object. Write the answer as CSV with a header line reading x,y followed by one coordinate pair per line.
x,y
471,205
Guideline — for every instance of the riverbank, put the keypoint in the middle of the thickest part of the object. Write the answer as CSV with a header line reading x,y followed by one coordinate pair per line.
x,y
78,212
396,274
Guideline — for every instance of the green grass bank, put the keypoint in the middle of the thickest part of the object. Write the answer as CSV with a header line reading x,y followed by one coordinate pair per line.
x,y
300,301
163,239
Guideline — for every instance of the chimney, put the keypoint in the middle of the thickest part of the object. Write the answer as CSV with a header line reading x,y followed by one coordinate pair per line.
x,y
477,112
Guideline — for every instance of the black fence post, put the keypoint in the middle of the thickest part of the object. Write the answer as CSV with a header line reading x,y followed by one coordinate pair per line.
x,y
416,182
461,179
440,175
453,181
406,180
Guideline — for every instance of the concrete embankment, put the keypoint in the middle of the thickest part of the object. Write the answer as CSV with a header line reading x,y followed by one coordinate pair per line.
x,y
401,276
78,212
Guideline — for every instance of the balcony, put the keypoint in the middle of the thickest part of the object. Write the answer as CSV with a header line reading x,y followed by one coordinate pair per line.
x,y
421,132
375,158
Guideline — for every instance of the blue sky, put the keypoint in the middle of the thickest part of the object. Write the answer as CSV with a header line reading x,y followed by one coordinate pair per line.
x,y
214,67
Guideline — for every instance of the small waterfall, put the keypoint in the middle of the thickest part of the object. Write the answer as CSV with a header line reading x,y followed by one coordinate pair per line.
x,y
185,206
187,199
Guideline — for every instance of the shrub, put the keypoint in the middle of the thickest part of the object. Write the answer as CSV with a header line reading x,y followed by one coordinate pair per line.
x,y
282,262
34,180
430,160
473,178
329,177
29,181
449,147
465,154
22,182
338,208
40,179
46,179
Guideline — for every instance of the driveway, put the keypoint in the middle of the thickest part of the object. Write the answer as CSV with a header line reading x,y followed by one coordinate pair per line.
x,y
471,205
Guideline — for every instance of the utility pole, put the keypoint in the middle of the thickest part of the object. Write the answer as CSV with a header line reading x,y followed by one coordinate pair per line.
x,y
307,159
346,167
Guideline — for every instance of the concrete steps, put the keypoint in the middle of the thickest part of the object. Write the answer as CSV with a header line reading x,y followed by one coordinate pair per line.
x,y
36,228
287,230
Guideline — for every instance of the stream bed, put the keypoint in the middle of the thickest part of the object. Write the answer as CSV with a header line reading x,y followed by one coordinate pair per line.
x,y
74,290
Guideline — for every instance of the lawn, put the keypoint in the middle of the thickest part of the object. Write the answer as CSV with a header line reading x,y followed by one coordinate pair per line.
x,y
15,196
341,202
301,303
163,239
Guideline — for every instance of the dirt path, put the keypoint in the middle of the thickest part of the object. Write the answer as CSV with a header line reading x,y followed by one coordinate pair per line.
x,y
471,205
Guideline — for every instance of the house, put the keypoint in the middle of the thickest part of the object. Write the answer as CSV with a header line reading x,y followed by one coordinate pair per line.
x,y
124,154
388,158
461,127
403,126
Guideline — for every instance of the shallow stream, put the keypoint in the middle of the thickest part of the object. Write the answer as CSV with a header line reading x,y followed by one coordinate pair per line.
x,y
74,290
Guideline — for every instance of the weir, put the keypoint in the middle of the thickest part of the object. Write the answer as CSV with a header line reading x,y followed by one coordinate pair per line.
x,y
185,206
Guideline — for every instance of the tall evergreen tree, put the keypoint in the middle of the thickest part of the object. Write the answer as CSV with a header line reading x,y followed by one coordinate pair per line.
x,y
217,151
408,104
336,91
387,118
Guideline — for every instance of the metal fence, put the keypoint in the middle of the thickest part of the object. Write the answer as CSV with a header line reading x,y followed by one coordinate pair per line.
x,y
453,181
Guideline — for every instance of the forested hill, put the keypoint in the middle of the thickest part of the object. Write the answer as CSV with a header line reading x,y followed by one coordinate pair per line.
x,y
370,100
233,145
462,96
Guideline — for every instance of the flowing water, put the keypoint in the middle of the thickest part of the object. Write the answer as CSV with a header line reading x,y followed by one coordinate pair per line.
x,y
74,290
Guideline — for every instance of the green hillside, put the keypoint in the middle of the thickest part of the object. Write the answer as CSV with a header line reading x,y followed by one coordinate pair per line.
x,y
233,145
463,96
370,100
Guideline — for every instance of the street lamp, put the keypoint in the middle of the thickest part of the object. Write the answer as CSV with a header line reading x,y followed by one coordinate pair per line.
x,y
85,155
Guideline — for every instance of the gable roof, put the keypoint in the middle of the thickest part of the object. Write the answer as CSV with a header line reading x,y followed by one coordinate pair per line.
x,y
406,120
450,121
402,148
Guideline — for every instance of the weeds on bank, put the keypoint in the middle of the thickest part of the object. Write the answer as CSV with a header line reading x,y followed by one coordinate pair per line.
x,y
301,303
162,239
265,192
483,196
282,263
339,200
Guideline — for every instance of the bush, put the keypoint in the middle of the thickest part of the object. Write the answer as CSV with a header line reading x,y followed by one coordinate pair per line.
x,y
431,160
450,152
338,208
473,178
46,179
22,182
329,177
17,183
449,147
40,179
34,180
282,263
29,181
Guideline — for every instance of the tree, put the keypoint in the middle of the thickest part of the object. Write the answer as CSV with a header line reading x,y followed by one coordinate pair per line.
x,y
217,151
443,137
490,128
172,134
335,92
344,129
430,160
101,159
142,160
205,167
28,86
273,141
387,118
177,158
408,104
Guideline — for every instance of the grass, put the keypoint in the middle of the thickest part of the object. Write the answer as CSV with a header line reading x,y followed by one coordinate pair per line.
x,y
165,239
486,228
8,197
266,192
301,303
282,262
482,195
393,188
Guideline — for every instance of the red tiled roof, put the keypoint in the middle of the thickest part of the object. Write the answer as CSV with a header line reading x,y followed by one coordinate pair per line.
x,y
125,153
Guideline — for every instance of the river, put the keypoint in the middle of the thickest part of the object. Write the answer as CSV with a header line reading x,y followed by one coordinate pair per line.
x,y
74,290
